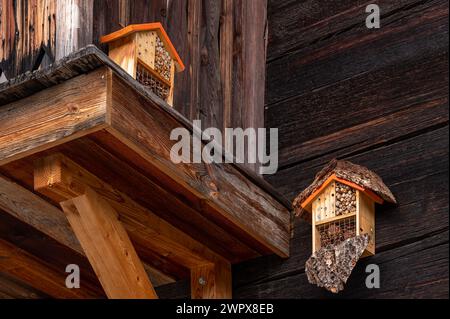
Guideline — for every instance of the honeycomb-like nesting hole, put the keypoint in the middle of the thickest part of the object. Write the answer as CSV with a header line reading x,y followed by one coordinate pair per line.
x,y
163,60
345,200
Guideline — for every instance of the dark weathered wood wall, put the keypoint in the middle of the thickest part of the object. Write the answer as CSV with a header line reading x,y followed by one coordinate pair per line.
x,y
378,98
27,34
334,89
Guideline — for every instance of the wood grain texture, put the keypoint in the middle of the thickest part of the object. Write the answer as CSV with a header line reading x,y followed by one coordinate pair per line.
x,y
87,60
74,26
108,247
233,242
347,53
60,179
50,118
402,270
223,44
34,211
211,281
27,31
11,288
295,26
365,117
18,263
150,191
418,214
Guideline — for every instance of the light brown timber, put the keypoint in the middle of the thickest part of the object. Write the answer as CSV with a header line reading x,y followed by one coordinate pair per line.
x,y
108,247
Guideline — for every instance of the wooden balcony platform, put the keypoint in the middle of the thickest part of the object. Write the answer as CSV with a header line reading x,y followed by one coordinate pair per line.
x,y
83,137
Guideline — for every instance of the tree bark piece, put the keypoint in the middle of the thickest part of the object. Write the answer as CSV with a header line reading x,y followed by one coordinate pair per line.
x,y
331,266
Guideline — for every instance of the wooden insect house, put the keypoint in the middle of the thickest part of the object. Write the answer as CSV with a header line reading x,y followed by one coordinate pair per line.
x,y
340,204
147,54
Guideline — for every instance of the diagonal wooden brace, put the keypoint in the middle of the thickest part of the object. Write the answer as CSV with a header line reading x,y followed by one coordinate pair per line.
x,y
97,226
108,247
94,208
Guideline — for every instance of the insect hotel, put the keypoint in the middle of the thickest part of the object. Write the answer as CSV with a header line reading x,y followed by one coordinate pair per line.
x,y
147,54
340,204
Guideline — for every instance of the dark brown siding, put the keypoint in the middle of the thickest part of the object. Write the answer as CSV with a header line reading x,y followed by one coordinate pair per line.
x,y
27,34
375,97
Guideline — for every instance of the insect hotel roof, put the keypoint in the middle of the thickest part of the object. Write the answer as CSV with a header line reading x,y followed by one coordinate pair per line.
x,y
355,176
155,26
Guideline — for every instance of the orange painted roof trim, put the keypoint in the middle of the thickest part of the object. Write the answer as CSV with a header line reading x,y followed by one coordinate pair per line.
x,y
132,28
377,199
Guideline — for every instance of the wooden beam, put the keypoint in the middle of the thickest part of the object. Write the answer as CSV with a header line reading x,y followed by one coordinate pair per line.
x,y
31,209
20,264
144,128
50,117
60,179
44,248
36,212
12,288
211,281
108,247
153,193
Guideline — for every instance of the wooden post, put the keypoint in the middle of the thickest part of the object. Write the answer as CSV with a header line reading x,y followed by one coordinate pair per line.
x,y
211,281
108,247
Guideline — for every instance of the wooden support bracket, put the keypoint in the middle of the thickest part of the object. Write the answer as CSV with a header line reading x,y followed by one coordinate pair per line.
x,y
101,217
101,234
108,247
211,281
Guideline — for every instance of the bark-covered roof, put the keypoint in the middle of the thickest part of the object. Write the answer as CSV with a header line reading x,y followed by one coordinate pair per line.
x,y
357,174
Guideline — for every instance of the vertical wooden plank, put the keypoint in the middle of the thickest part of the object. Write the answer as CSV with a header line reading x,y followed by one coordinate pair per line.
x,y
313,230
358,212
124,13
176,17
146,47
74,29
211,281
194,14
250,71
172,84
226,59
123,52
108,247
211,95
366,222
21,35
